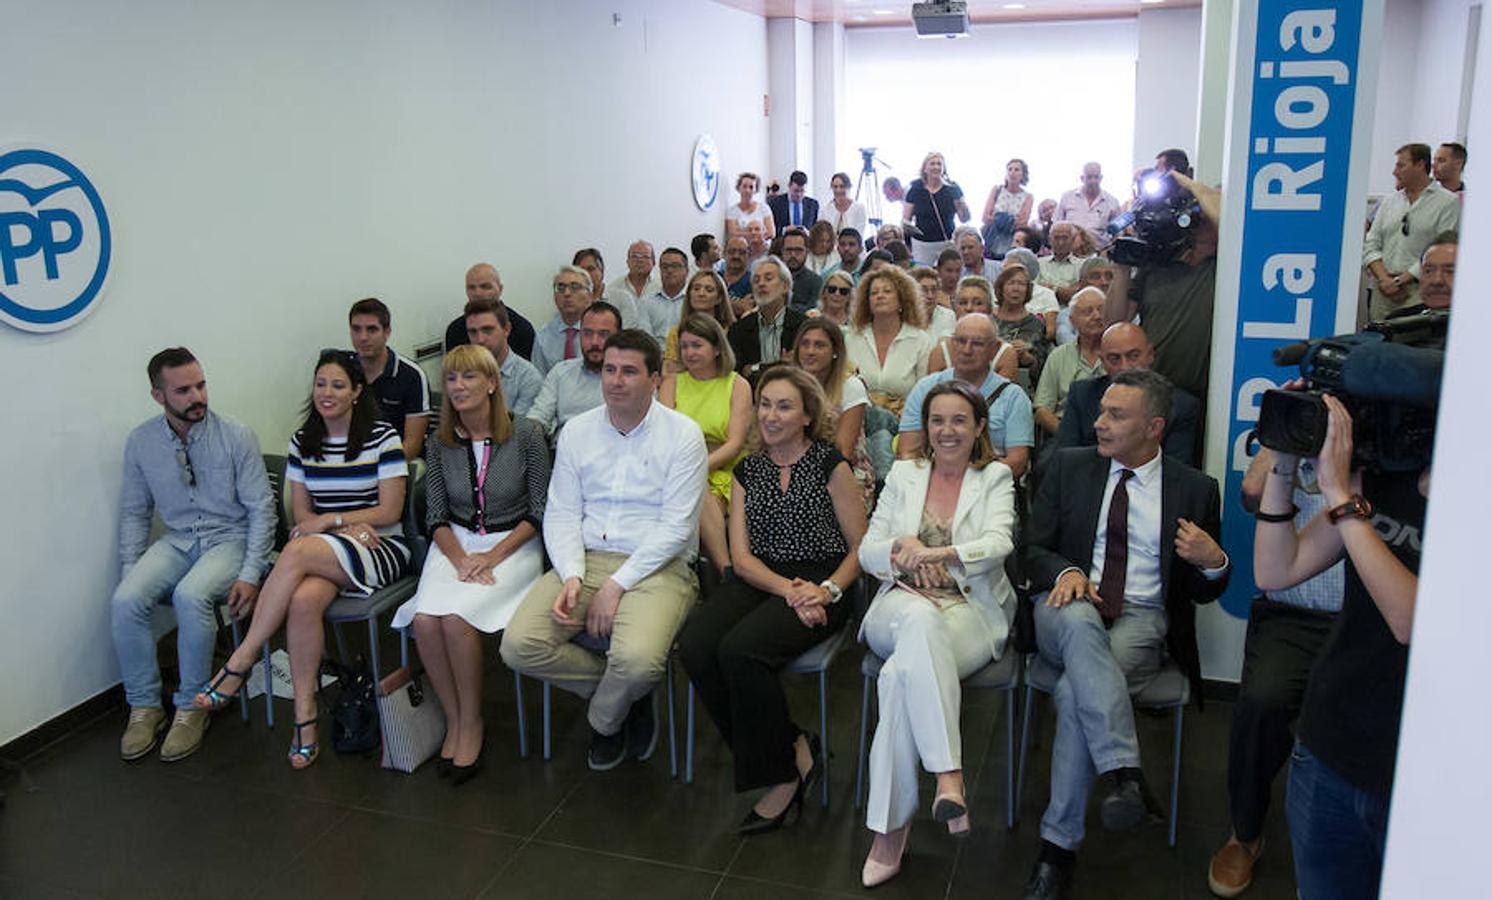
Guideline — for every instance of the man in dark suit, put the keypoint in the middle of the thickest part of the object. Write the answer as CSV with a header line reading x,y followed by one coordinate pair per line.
x,y
1124,346
792,207
483,283
806,282
1123,542
765,334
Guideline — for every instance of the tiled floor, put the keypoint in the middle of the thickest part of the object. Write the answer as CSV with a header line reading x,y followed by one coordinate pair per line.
x,y
236,821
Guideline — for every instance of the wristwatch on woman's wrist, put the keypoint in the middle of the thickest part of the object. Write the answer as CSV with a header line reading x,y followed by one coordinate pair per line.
x,y
337,520
1356,507
836,593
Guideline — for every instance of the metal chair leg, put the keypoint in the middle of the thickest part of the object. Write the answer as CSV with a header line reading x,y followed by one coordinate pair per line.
x,y
673,750
824,729
860,754
689,735
546,720
522,716
243,687
1020,775
269,689
1010,756
341,644
1176,772
404,647
373,649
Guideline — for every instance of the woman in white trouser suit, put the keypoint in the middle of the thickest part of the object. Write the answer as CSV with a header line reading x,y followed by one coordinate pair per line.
x,y
938,541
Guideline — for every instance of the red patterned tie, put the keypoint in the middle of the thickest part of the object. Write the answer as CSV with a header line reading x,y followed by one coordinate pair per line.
x,y
1115,552
570,342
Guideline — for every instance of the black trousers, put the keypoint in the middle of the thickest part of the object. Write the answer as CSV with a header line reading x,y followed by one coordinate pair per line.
x,y
1283,643
733,647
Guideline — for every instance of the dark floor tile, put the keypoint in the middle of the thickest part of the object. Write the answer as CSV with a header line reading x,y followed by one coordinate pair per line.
x,y
733,888
26,889
130,837
369,855
543,871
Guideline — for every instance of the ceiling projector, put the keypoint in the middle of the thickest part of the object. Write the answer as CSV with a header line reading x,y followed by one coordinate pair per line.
x,y
945,18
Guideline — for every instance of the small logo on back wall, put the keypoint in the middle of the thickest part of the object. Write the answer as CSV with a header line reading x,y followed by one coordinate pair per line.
x,y
54,241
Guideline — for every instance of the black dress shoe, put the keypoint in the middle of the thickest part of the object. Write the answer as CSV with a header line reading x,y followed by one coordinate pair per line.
x,y
462,774
443,766
607,750
755,823
1128,802
815,772
641,728
1048,882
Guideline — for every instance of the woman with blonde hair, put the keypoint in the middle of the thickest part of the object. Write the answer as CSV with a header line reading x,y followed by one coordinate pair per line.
x,y
819,350
708,390
486,479
835,298
746,212
704,292
796,521
930,205
887,342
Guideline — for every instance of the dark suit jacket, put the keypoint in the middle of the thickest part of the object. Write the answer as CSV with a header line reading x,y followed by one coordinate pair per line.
x,y
520,339
782,216
1081,411
1064,524
745,342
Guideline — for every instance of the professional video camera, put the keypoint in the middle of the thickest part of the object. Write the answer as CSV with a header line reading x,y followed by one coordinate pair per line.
x,y
1164,215
1385,376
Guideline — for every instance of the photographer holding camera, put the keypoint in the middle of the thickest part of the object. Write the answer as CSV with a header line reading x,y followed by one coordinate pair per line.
x,y
1342,765
1174,256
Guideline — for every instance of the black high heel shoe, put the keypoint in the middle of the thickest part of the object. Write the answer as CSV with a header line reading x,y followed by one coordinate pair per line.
x,y
462,774
755,823
815,772
443,766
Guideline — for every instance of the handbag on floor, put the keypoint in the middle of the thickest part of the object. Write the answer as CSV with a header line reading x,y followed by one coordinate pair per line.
x,y
354,714
412,721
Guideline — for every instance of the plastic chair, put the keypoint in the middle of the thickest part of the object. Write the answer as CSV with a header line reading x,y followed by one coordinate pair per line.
x,y
1168,690
1003,674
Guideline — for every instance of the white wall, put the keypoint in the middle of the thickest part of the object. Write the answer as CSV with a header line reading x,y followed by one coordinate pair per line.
x,y
991,96
1169,55
265,165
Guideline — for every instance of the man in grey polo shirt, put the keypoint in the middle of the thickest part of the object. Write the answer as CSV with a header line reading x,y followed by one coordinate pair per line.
x,y
204,475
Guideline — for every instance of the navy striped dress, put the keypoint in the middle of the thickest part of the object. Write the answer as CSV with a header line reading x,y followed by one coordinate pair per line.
x,y
341,485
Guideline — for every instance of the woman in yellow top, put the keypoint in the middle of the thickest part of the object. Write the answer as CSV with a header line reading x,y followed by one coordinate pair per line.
x,y
704,292
709,391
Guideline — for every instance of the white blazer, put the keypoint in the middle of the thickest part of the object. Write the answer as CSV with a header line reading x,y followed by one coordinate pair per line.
x,y
983,535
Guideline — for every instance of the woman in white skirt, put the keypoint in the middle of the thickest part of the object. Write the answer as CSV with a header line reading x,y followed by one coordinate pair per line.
x,y
485,484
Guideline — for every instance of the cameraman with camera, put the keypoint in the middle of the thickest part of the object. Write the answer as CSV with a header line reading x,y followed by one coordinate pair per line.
x,y
1174,260
1342,766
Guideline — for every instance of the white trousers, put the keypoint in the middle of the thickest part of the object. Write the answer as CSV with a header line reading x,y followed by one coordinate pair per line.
x,y
927,653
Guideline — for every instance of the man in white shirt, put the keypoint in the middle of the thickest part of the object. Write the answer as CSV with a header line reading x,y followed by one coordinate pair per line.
x,y
1090,206
573,386
1060,270
661,309
1406,222
589,259
641,279
620,526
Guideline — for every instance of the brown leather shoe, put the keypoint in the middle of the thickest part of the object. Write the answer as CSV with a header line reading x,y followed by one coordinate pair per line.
x,y
1232,868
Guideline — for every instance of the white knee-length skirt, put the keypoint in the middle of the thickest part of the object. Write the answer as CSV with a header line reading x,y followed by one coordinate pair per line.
x,y
486,607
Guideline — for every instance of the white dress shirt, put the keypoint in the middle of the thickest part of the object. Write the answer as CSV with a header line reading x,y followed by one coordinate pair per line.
x,y
1433,211
906,358
636,493
1142,576
660,313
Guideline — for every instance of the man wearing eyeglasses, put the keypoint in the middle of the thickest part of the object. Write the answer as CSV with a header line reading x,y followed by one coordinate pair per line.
x,y
559,339
204,475
1404,225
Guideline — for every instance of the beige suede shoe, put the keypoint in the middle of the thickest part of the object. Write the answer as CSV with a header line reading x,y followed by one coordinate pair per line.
x,y
185,735
144,729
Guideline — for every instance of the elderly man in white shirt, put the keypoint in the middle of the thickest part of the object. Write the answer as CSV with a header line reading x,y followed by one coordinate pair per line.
x,y
620,526
1406,222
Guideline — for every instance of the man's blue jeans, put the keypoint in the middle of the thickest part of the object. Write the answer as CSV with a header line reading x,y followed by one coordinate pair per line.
x,y
195,582
1337,831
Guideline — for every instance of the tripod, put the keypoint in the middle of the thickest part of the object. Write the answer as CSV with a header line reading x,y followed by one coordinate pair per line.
x,y
869,177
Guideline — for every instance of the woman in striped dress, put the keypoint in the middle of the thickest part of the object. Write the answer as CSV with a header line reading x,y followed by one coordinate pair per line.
x,y
347,476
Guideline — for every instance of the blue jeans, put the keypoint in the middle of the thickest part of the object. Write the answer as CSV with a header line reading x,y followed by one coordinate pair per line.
x,y
1095,721
195,582
1337,831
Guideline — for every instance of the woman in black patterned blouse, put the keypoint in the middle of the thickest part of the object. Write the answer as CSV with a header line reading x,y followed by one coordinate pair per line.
x,y
797,517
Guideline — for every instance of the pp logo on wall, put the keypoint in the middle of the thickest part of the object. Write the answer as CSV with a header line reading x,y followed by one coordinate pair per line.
x,y
54,241
704,171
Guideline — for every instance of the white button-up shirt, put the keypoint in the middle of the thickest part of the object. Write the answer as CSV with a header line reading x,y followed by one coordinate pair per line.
x,y
1142,576
1433,211
636,493
568,390
660,313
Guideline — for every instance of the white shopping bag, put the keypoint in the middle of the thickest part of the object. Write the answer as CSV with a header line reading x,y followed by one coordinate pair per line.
x,y
279,670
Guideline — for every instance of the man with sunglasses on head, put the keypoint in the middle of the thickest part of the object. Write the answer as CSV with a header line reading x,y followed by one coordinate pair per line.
x,y
1406,222
203,474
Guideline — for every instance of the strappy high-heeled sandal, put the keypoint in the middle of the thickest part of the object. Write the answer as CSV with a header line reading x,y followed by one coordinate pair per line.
x,y
301,754
210,698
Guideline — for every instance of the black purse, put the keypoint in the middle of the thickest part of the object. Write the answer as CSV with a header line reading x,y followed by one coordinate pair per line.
x,y
355,712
